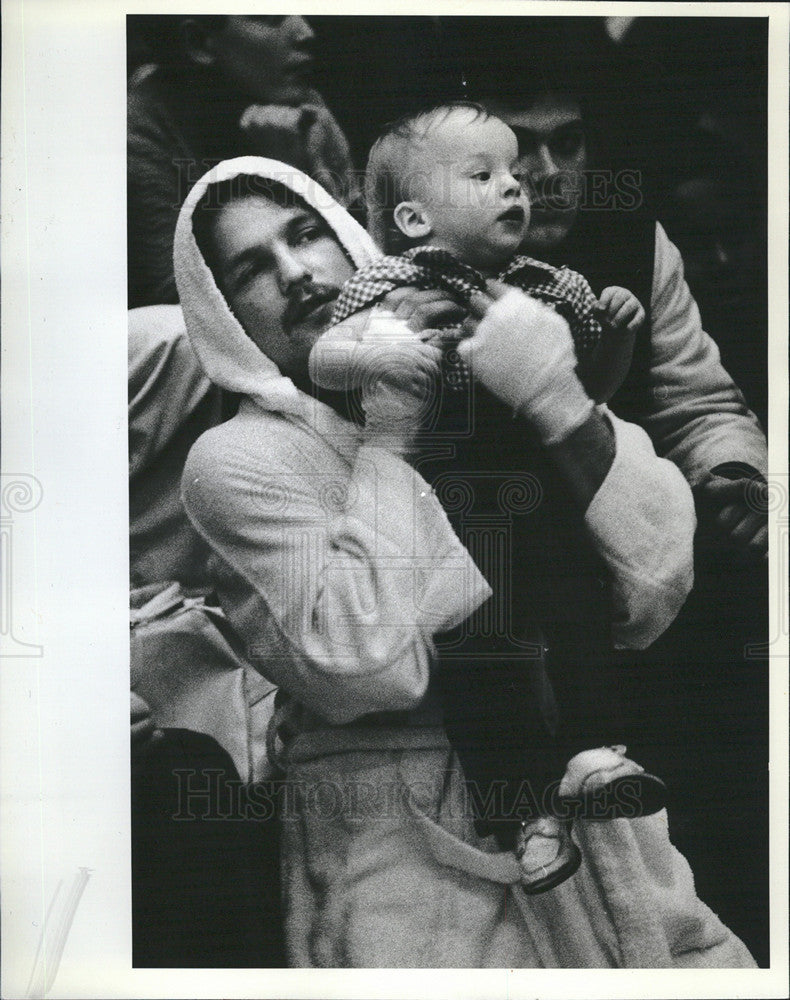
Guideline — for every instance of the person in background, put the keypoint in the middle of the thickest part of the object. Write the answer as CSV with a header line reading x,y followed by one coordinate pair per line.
x,y
711,672
219,86
201,89
712,213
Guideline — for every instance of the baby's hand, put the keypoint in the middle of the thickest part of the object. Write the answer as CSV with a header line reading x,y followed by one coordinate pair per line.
x,y
621,309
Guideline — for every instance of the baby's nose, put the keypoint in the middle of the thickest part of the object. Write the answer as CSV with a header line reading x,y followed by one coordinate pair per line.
x,y
510,185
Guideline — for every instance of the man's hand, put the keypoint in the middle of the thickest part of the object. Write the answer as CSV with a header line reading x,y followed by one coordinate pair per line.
x,y
279,132
398,400
523,352
358,351
733,515
425,311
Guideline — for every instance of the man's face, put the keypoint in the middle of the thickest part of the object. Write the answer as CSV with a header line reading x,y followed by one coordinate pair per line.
x,y
472,195
269,59
280,270
552,160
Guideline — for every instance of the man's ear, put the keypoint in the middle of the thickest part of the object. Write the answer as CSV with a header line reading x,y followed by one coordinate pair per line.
x,y
198,44
410,218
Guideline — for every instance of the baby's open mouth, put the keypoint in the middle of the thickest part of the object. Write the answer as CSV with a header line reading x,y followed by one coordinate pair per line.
x,y
514,214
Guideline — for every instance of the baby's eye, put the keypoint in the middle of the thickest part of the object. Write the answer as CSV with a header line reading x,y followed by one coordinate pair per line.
x,y
517,176
482,175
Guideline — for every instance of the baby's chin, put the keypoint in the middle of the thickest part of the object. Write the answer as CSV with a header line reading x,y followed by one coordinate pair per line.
x,y
497,256
485,255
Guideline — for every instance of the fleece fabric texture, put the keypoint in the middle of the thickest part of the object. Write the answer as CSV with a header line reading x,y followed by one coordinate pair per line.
x,y
383,869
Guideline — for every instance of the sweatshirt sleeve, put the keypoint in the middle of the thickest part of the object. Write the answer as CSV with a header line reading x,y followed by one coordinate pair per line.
x,y
697,416
642,524
345,577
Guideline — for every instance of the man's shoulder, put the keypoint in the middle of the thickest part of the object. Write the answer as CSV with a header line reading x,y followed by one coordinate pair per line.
x,y
239,450
150,122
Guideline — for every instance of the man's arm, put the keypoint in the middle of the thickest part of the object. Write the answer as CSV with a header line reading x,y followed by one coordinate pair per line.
x,y
640,516
341,574
167,387
638,508
153,201
641,521
585,457
696,415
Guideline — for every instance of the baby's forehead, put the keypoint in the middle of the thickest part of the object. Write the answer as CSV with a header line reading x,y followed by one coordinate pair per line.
x,y
458,129
451,123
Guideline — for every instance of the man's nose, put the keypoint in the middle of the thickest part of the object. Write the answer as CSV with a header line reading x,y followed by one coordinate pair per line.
x,y
291,270
541,163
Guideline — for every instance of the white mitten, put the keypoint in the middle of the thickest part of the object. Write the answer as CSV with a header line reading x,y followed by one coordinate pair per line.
x,y
359,350
523,352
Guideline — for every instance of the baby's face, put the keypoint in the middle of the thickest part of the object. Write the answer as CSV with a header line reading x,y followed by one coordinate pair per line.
x,y
470,191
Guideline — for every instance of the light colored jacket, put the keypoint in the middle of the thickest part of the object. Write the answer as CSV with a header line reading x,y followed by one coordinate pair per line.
x,y
696,415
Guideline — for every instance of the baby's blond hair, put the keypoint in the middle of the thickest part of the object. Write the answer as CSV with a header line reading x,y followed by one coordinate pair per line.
x,y
393,174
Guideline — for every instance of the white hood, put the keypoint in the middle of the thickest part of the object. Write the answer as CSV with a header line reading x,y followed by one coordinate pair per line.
x,y
228,356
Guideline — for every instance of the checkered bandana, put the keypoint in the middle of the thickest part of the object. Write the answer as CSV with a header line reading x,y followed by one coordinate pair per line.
x,y
430,267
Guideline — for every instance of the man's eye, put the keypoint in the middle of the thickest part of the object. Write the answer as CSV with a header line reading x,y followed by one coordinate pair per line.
x,y
568,144
241,279
306,235
481,175
517,176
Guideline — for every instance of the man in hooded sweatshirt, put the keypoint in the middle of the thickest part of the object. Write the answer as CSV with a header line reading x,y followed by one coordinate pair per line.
x,y
337,566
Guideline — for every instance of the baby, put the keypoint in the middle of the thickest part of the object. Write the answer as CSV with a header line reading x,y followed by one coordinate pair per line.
x,y
444,194
446,203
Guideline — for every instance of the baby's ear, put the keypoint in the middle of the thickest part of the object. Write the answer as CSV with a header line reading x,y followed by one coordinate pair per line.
x,y
411,219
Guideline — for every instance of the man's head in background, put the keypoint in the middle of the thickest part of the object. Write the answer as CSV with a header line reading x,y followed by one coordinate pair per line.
x,y
277,262
538,75
553,158
264,58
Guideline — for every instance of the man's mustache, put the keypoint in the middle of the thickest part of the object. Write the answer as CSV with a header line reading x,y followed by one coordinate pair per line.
x,y
304,299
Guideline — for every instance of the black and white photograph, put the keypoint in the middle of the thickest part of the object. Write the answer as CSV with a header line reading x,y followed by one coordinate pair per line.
x,y
455,548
